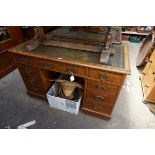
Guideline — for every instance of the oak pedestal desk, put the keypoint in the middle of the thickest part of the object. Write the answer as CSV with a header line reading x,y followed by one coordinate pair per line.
x,y
102,83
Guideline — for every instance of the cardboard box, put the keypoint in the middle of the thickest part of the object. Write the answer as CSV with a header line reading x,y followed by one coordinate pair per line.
x,y
62,103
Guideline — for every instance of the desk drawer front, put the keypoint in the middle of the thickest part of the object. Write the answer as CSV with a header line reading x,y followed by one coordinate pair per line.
x,y
75,70
98,107
49,65
100,97
62,67
102,86
105,76
26,60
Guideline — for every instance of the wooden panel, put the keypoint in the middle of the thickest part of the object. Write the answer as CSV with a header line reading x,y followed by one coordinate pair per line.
x,y
148,80
16,38
148,65
150,96
145,50
149,76
46,77
105,76
7,60
152,58
102,86
30,75
72,45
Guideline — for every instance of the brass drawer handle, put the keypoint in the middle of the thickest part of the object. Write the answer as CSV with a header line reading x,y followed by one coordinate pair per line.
x,y
49,66
101,87
72,70
104,76
99,97
98,107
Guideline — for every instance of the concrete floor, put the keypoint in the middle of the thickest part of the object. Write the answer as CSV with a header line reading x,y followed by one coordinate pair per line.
x,y
17,108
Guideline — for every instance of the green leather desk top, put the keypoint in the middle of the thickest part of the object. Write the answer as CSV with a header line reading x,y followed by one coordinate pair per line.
x,y
115,60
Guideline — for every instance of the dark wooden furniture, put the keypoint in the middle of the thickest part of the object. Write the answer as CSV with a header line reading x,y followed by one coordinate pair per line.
x,y
102,83
148,79
145,50
28,31
7,60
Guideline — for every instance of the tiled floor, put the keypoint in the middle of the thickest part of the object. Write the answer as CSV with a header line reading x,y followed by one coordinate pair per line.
x,y
17,108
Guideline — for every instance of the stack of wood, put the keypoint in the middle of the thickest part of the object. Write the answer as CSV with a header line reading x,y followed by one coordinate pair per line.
x,y
105,49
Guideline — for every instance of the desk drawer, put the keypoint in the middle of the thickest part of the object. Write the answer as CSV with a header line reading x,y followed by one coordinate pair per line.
x,y
105,76
62,67
102,86
50,65
26,60
75,70
95,106
100,97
